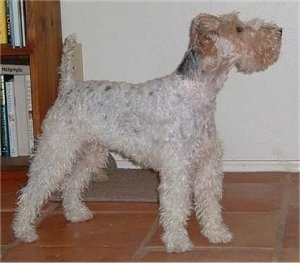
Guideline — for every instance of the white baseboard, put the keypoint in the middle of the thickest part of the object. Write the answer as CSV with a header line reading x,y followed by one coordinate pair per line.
x,y
261,166
237,166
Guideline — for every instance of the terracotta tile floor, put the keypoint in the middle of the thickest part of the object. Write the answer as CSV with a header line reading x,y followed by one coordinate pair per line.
x,y
262,210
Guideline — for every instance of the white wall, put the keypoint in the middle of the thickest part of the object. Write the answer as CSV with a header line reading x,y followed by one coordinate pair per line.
x,y
257,114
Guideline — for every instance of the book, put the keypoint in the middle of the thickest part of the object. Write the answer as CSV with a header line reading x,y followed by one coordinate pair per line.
x,y
8,24
10,14
21,115
11,116
3,27
10,69
15,20
4,121
29,114
23,22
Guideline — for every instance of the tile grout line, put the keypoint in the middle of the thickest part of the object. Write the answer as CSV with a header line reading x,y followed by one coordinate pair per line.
x,y
210,248
16,241
111,212
9,247
285,199
141,250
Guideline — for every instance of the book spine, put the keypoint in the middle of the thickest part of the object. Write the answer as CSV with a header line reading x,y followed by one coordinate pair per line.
x,y
29,114
8,69
23,22
21,113
3,27
12,120
4,122
11,19
8,24
15,23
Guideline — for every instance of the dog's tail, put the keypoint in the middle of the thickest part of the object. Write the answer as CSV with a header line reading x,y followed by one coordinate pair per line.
x,y
66,69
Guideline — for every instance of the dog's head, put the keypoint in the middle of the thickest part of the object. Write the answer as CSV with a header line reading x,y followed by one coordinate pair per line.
x,y
225,41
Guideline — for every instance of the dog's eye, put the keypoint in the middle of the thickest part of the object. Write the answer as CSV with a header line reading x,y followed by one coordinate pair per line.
x,y
239,29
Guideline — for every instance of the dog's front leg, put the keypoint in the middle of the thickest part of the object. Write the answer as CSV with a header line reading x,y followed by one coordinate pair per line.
x,y
175,205
208,193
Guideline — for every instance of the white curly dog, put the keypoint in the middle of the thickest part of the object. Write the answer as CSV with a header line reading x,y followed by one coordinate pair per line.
x,y
166,124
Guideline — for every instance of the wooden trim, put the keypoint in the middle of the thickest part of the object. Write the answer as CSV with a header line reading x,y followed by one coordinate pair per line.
x,y
8,50
44,36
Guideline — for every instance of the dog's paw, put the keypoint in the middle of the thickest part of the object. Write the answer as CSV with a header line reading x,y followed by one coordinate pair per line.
x,y
219,234
177,242
79,215
27,236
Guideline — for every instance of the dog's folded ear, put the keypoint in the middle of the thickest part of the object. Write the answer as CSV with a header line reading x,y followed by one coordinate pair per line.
x,y
189,64
204,30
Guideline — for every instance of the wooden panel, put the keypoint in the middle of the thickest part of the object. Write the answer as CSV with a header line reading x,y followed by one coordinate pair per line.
x,y
7,50
14,163
44,36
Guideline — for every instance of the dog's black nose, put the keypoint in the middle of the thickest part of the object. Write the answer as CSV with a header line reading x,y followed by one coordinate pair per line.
x,y
280,31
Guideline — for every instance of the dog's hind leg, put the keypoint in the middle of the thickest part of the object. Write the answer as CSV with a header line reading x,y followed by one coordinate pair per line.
x,y
90,158
53,159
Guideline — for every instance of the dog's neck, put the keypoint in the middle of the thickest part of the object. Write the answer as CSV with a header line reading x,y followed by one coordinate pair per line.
x,y
208,73
215,79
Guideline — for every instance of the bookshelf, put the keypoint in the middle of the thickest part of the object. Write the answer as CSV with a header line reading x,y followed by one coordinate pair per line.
x,y
44,42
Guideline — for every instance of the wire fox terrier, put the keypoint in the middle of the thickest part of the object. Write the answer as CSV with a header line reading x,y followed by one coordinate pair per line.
x,y
166,124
